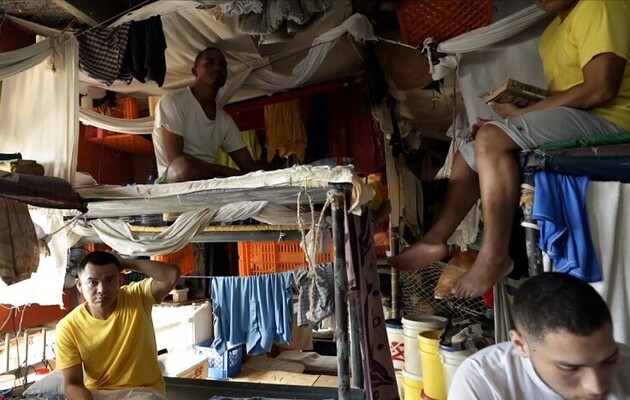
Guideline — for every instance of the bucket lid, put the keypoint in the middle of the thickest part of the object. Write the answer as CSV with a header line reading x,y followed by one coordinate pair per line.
x,y
394,323
424,318
448,349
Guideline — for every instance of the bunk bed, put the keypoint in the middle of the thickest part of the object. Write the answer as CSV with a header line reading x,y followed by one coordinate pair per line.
x,y
287,193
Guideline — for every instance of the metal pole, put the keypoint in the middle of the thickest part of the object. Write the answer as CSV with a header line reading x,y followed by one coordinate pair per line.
x,y
394,243
355,347
341,306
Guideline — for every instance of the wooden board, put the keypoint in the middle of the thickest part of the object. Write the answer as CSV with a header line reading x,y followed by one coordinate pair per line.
x,y
327,381
275,377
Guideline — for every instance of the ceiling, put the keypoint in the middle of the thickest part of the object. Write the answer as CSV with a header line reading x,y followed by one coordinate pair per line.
x,y
61,14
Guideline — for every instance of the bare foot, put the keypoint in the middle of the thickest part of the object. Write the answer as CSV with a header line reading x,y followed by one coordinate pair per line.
x,y
420,255
482,276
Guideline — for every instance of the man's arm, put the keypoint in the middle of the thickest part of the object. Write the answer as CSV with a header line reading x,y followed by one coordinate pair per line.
x,y
244,160
198,169
73,386
602,78
165,276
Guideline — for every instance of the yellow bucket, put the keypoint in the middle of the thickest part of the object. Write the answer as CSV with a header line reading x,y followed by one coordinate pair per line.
x,y
432,369
412,386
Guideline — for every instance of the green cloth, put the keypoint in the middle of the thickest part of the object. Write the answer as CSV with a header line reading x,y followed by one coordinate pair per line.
x,y
588,141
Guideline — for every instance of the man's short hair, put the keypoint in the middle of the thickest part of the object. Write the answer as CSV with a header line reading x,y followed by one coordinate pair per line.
x,y
97,258
205,50
554,302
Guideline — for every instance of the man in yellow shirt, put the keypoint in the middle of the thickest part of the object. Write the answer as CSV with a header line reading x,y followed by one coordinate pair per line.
x,y
584,53
110,337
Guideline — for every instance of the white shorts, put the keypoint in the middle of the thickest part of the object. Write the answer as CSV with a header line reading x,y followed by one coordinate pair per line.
x,y
128,394
546,126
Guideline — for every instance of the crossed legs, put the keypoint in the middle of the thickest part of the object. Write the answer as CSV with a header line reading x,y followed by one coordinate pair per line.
x,y
497,184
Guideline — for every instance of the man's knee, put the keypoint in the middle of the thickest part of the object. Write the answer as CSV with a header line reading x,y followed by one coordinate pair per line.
x,y
492,139
181,169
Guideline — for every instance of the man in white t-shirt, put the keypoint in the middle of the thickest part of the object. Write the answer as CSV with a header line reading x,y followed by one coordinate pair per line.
x,y
562,348
190,128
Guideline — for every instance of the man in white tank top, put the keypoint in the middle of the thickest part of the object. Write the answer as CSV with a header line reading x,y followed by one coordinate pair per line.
x,y
190,128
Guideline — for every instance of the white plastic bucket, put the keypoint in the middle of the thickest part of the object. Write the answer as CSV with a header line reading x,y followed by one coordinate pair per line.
x,y
396,343
6,386
411,329
451,360
400,384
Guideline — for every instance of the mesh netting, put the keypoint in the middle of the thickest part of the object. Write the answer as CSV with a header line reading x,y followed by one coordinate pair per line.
x,y
417,288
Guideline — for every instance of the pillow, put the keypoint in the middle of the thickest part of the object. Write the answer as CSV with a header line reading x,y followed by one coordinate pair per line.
x,y
41,191
49,387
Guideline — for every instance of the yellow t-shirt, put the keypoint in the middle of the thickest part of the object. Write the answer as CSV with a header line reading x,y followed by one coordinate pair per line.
x,y
116,353
593,27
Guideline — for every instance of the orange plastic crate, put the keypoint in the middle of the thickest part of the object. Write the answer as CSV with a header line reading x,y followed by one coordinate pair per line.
x,y
441,19
183,259
257,258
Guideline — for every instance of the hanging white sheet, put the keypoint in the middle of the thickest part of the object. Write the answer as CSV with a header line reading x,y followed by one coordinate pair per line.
x,y
39,111
609,221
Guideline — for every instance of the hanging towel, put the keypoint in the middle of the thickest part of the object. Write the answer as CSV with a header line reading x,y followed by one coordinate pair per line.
x,y
19,249
144,54
255,310
560,211
102,53
316,295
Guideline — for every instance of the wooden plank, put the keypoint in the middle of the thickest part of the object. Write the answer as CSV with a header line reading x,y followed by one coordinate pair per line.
x,y
327,381
275,377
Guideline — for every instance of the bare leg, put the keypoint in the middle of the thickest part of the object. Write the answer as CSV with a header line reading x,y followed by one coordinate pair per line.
x,y
498,181
187,168
461,194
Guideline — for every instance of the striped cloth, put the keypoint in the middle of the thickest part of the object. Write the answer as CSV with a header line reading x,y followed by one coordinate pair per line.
x,y
102,53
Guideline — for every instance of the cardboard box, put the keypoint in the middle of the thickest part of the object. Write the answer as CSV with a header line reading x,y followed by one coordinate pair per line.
x,y
184,364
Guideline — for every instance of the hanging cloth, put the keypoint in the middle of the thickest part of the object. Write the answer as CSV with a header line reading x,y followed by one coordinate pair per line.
x,y
285,130
102,53
19,249
144,54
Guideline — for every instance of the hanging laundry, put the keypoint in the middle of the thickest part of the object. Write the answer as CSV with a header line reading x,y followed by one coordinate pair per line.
x,y
560,211
239,7
255,310
19,248
316,294
285,130
277,13
102,53
144,54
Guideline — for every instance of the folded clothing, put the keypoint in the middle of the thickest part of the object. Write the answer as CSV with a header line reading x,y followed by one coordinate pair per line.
x,y
29,167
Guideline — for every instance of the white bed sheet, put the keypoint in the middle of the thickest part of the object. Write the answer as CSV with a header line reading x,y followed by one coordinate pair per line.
x,y
279,187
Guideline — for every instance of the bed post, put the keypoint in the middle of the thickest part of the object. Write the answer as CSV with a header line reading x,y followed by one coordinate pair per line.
x,y
337,195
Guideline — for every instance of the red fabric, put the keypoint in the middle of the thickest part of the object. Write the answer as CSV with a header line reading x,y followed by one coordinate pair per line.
x,y
352,131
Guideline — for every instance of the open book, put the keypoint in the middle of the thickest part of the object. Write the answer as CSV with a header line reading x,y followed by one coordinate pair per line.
x,y
517,93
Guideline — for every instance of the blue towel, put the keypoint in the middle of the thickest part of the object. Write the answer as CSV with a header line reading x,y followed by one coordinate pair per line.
x,y
256,310
560,211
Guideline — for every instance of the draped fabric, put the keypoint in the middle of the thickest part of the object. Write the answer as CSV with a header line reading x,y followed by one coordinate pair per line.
x,y
14,62
364,285
39,110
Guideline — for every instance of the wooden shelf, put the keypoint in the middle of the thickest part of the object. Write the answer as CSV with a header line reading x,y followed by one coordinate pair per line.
x,y
134,144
